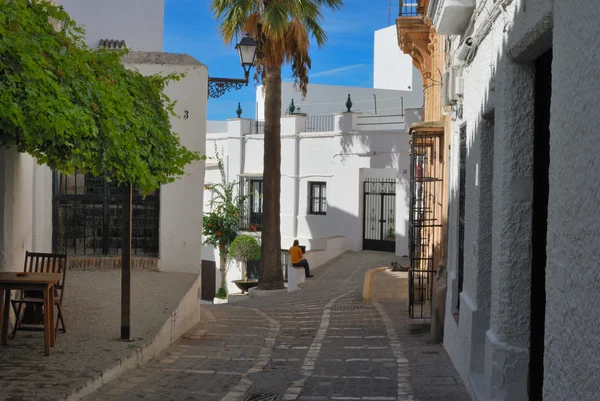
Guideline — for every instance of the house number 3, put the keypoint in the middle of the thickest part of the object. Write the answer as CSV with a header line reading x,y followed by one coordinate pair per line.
x,y
186,115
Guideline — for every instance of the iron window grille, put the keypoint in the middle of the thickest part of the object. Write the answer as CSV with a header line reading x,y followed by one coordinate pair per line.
x,y
252,214
318,198
87,217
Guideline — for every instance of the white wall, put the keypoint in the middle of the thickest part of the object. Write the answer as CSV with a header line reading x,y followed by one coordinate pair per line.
x,y
25,208
331,99
488,340
180,212
572,274
139,22
341,158
392,69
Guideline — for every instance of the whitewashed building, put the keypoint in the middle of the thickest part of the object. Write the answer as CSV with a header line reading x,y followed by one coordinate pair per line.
x,y
45,211
522,302
397,85
344,189
139,23
344,176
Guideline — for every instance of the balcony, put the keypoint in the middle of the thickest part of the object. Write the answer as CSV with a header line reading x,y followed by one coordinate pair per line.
x,y
451,17
415,32
251,221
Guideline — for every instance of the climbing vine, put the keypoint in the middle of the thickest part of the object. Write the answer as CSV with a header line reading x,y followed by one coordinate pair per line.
x,y
76,108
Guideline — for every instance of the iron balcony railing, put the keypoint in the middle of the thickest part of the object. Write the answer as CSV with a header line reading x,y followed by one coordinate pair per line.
x,y
408,8
251,221
323,123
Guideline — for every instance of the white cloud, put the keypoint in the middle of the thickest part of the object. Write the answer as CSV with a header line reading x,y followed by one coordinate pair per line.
x,y
337,70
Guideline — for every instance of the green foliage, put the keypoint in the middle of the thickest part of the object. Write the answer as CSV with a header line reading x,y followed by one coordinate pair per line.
x,y
74,108
283,30
244,248
221,293
221,223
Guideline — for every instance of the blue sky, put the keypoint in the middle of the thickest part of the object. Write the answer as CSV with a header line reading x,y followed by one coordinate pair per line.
x,y
346,58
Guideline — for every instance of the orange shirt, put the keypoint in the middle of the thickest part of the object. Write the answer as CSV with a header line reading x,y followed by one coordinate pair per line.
x,y
296,254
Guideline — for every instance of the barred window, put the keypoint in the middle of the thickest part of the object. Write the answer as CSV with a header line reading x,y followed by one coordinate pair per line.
x,y
318,198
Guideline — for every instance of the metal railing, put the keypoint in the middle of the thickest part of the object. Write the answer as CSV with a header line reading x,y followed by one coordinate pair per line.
x,y
257,128
375,121
251,221
408,8
425,223
320,123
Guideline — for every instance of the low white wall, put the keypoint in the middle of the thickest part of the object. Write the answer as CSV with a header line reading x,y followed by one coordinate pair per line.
x,y
334,246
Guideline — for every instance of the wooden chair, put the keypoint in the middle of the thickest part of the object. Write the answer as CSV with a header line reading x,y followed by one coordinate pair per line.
x,y
41,263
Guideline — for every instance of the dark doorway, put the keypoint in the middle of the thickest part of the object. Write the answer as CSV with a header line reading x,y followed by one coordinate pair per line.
x,y
209,280
541,164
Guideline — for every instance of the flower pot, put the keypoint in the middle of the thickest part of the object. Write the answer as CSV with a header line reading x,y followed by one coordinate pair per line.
x,y
219,301
244,285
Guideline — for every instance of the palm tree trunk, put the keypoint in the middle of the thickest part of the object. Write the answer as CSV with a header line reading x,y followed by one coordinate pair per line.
x,y
271,277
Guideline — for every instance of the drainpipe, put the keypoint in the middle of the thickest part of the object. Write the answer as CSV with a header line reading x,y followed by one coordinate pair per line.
x,y
296,184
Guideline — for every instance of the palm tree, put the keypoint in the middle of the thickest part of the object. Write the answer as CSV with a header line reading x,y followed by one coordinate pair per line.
x,y
282,30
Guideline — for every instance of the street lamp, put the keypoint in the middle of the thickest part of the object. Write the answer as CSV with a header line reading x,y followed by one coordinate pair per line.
x,y
217,87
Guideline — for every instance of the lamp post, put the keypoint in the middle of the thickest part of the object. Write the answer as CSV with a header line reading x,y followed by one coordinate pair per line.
x,y
217,87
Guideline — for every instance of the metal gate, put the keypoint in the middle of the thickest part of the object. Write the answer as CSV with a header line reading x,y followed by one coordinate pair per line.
x,y
426,190
379,210
88,220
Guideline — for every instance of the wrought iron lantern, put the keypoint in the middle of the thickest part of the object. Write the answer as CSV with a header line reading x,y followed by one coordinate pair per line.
x,y
246,48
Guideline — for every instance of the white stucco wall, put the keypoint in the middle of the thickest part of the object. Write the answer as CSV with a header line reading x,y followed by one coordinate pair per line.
x,y
140,23
392,69
180,239
331,99
341,159
488,340
571,362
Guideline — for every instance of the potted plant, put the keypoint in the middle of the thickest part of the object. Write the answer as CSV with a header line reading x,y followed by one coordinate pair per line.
x,y
244,248
391,235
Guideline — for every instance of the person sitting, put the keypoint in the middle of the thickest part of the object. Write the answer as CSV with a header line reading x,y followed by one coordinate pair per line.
x,y
298,260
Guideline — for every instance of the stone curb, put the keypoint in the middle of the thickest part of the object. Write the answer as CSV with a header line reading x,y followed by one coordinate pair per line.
x,y
367,288
256,293
182,319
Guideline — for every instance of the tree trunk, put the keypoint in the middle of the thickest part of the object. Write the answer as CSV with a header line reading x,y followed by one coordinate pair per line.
x,y
271,277
223,269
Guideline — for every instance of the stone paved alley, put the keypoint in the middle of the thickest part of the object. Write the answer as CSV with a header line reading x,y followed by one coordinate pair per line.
x,y
320,343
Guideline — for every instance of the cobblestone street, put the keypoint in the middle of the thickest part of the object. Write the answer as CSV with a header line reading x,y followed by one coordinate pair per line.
x,y
320,343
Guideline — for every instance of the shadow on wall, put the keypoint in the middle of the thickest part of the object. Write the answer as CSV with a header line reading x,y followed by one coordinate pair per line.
x,y
467,327
385,151
388,157
348,223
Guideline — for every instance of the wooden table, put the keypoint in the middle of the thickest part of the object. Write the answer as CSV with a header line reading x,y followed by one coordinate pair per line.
x,y
31,282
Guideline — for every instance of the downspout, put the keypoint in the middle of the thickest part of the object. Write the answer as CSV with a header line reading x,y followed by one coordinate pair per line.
x,y
242,154
296,184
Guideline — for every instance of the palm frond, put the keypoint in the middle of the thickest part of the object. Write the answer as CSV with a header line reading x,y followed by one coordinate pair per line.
x,y
283,30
